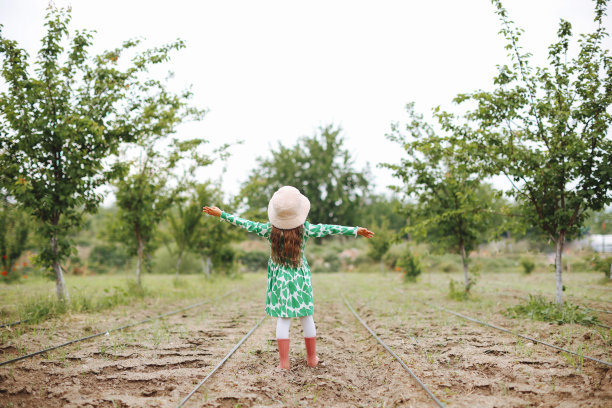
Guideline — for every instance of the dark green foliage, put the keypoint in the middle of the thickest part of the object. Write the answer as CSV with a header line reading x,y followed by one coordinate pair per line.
x,y
107,257
321,169
255,260
528,265
540,309
410,265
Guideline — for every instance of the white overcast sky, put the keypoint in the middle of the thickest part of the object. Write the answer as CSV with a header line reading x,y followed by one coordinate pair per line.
x,y
271,71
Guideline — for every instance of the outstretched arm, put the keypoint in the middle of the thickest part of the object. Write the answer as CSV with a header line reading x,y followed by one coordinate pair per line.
x,y
261,229
322,230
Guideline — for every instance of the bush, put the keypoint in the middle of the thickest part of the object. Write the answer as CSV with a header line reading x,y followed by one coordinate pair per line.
x,y
528,265
255,260
409,265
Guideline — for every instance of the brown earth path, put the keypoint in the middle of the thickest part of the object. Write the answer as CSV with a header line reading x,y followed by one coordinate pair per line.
x,y
157,364
355,371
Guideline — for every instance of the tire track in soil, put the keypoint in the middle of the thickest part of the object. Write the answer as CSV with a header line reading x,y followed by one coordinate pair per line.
x,y
355,371
152,365
470,365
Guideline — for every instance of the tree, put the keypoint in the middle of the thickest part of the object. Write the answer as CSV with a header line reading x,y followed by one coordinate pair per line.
x,y
60,123
144,197
214,237
380,244
143,200
183,227
545,129
453,209
379,209
320,168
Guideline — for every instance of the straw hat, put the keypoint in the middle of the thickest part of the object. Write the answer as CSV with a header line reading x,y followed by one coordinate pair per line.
x,y
288,208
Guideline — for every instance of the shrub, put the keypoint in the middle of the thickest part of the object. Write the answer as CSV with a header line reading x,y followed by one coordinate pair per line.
x,y
255,260
410,265
528,265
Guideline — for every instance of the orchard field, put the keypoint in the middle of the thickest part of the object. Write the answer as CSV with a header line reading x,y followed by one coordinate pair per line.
x,y
480,274
158,363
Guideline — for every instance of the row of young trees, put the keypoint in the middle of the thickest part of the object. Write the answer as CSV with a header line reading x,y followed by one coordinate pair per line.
x,y
544,128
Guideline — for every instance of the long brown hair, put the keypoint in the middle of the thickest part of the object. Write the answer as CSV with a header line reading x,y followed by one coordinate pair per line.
x,y
286,246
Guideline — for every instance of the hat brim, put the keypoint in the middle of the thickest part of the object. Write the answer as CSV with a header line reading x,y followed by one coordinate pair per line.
x,y
295,220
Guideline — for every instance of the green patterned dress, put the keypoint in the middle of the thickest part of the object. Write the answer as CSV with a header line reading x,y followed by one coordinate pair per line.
x,y
289,292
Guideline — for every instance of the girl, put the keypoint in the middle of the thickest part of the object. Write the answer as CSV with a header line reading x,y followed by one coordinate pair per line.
x,y
289,291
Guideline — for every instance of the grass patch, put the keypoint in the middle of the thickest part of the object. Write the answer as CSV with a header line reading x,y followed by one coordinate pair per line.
x,y
37,309
456,291
537,308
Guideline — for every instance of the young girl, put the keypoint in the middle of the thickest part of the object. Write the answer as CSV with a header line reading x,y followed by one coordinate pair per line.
x,y
289,292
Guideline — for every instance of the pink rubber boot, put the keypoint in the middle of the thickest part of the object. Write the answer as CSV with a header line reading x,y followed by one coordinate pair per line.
x,y
283,352
311,351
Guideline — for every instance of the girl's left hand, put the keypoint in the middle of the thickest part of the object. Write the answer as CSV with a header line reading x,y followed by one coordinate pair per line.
x,y
364,232
212,211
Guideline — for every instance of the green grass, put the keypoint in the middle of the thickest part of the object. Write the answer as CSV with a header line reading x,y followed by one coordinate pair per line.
x,y
537,308
35,300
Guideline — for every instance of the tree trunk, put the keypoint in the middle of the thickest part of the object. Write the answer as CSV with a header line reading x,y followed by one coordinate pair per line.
x,y
382,266
610,276
178,263
559,267
140,252
208,269
60,284
465,268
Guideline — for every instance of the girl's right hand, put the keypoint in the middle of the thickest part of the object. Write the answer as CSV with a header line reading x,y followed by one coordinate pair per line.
x,y
364,232
212,211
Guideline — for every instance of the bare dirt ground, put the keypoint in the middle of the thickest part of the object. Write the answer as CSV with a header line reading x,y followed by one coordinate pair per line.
x,y
157,364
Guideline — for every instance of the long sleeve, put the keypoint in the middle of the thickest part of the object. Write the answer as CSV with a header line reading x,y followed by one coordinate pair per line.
x,y
322,230
259,228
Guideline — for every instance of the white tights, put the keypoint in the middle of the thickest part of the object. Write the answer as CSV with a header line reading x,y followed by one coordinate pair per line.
x,y
283,323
